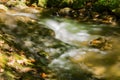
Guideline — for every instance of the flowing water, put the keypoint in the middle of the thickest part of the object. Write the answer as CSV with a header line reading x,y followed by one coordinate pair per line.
x,y
84,62
80,62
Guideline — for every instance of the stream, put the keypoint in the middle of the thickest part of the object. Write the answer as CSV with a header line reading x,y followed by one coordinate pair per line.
x,y
79,62
84,62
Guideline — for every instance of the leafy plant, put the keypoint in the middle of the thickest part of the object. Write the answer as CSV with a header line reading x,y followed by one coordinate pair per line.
x,y
109,3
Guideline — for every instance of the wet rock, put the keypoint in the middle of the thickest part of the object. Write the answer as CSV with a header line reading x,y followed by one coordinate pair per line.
x,y
11,18
65,11
15,3
3,8
32,10
101,43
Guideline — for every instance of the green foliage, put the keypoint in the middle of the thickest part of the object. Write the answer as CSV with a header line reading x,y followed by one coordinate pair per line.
x,y
42,3
109,3
53,3
66,3
75,4
78,3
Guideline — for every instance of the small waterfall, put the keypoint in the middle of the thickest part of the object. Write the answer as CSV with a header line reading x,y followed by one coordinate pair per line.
x,y
62,32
